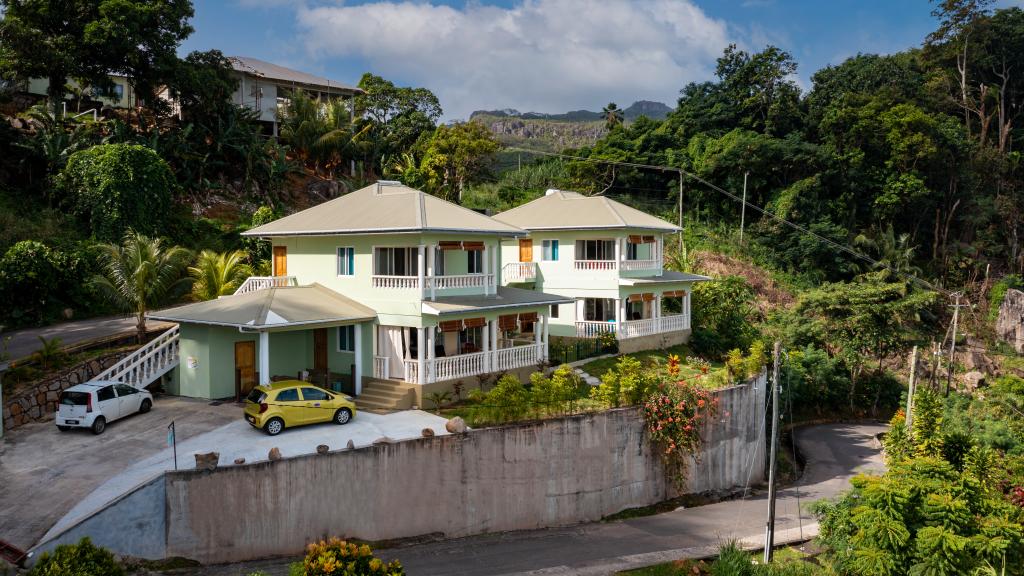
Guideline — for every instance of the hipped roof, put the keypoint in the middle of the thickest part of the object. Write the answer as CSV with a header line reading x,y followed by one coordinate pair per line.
x,y
561,210
384,207
271,71
277,307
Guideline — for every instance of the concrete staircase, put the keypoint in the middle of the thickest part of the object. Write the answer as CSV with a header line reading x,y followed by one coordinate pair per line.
x,y
386,395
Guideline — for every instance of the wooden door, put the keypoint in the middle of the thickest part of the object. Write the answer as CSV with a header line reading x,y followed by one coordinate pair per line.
x,y
245,368
320,350
280,260
526,250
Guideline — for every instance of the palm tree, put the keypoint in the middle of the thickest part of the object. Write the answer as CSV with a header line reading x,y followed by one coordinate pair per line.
x,y
216,275
141,273
892,252
612,115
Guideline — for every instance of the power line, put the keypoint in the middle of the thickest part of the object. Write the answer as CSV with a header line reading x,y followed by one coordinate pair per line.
x,y
838,246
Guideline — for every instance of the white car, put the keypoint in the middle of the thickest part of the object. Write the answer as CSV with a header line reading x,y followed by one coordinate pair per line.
x,y
96,404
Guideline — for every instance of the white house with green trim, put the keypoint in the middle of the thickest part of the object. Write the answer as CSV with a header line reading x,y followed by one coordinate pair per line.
x,y
387,293
608,259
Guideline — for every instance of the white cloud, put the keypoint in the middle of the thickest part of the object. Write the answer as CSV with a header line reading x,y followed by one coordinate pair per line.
x,y
541,55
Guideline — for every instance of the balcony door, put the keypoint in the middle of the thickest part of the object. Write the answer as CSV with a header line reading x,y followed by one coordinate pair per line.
x,y
526,250
280,260
402,261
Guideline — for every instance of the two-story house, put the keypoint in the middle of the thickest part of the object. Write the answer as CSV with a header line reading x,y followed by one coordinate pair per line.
x,y
389,292
609,259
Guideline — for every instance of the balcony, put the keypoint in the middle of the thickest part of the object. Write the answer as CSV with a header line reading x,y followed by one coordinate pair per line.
x,y
595,264
634,328
631,265
254,283
463,365
519,272
433,283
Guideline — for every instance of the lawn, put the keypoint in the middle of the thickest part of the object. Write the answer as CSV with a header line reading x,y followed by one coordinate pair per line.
x,y
598,367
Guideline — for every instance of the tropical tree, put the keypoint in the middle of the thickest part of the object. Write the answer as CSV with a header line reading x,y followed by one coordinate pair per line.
x,y
456,156
321,134
141,273
892,251
612,115
218,274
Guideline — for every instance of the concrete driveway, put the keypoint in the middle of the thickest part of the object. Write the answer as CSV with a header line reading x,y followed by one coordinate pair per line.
x,y
46,472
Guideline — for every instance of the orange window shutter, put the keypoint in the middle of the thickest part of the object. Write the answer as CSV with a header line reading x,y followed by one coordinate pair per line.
x,y
475,322
528,317
451,326
635,298
507,322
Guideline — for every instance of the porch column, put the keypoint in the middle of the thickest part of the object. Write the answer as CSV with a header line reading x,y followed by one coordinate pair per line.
x,y
357,374
264,357
420,268
493,328
496,263
486,261
546,338
656,313
659,247
431,337
619,315
433,270
537,329
686,310
486,334
421,345
618,253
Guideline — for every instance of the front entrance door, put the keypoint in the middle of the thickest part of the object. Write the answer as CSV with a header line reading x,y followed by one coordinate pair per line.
x,y
245,368
280,260
526,250
320,350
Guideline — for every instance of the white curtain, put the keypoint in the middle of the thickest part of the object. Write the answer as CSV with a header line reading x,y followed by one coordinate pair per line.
x,y
390,346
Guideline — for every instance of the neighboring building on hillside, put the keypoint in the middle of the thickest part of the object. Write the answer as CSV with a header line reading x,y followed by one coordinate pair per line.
x,y
609,259
387,293
118,95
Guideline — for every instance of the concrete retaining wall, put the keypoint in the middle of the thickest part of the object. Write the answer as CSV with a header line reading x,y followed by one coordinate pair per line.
x,y
532,475
654,341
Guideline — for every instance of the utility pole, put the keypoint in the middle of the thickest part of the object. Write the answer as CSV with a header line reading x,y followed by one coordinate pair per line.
x,y
911,389
680,212
743,207
952,342
769,536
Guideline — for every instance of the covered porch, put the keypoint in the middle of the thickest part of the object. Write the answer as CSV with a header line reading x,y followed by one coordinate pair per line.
x,y
463,337
645,307
229,345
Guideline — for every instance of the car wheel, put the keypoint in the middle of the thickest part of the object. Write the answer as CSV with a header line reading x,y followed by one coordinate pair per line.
x,y
343,416
99,425
63,428
274,426
146,406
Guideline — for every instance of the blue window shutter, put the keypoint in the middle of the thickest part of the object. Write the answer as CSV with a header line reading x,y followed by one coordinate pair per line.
x,y
554,249
351,257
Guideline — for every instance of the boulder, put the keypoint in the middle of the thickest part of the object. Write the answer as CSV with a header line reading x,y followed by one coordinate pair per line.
x,y
973,380
274,454
207,461
1010,323
456,425
428,432
239,461
350,445
323,449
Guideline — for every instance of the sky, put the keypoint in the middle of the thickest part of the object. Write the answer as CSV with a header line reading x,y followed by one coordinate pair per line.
x,y
550,55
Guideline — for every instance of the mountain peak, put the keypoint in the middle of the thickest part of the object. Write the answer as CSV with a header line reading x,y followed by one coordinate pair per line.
x,y
651,109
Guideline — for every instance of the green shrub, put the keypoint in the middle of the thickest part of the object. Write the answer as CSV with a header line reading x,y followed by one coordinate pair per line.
x,y
114,187
335,557
626,384
723,314
732,561
508,400
998,293
37,282
81,559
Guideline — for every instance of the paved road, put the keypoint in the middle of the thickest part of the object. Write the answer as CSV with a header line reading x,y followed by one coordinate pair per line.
x,y
834,453
26,341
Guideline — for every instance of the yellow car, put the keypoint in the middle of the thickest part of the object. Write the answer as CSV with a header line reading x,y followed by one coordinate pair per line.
x,y
274,407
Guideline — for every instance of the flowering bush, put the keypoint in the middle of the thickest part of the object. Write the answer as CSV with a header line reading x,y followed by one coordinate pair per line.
x,y
674,413
336,557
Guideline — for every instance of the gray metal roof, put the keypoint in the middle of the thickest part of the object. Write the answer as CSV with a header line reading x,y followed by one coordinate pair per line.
x,y
505,298
668,276
384,207
561,210
264,69
277,307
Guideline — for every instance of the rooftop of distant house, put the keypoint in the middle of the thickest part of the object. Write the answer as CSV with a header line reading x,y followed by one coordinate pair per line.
x,y
281,74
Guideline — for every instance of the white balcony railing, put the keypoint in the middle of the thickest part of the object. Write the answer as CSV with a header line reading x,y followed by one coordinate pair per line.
x,y
519,272
459,281
465,365
635,328
397,282
381,365
253,283
595,264
628,265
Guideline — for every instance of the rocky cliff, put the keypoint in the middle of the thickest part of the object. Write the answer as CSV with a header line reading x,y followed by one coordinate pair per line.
x,y
1010,324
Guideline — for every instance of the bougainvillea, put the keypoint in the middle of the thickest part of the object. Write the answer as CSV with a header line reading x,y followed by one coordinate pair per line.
x,y
336,557
674,413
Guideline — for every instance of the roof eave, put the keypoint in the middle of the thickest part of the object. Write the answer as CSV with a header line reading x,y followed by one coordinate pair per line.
x,y
427,309
256,234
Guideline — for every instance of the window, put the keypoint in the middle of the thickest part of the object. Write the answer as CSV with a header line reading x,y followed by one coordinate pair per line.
x,y
346,261
346,338
106,393
314,394
554,310
549,250
631,251
471,340
599,309
289,395
74,398
396,261
438,261
125,390
475,261
595,249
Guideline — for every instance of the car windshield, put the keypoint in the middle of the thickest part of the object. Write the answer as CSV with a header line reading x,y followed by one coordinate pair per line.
x,y
256,396
74,398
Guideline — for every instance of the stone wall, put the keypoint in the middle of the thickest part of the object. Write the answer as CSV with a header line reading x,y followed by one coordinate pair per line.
x,y
40,402
1010,324
530,475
